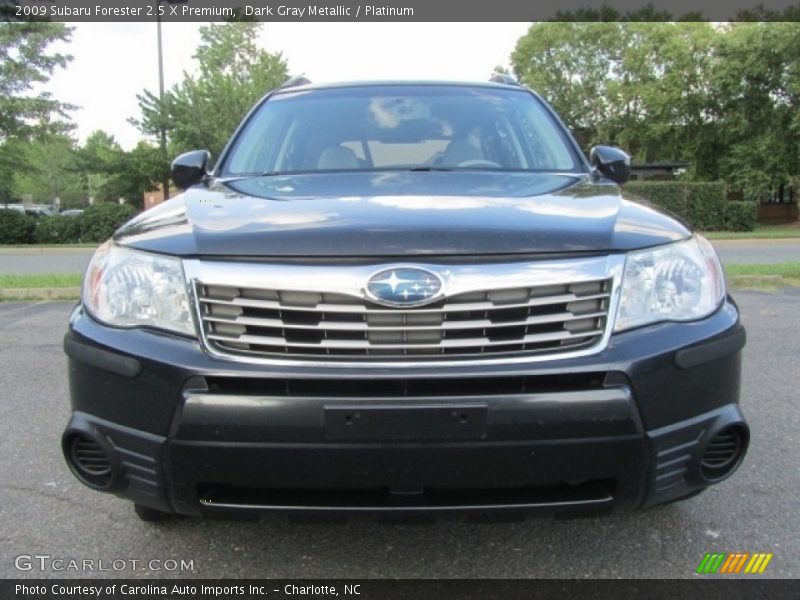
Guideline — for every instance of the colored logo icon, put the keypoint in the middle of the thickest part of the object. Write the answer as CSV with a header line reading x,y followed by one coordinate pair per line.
x,y
734,563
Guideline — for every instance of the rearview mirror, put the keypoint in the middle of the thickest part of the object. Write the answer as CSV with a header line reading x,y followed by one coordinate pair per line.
x,y
611,162
190,168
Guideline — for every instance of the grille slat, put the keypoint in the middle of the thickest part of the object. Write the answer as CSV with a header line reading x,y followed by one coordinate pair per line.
x,y
366,344
561,317
271,322
376,309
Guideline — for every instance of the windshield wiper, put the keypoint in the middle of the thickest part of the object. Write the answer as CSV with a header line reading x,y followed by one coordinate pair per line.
x,y
422,168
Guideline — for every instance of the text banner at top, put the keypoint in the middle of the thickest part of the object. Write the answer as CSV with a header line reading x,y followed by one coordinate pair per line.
x,y
397,10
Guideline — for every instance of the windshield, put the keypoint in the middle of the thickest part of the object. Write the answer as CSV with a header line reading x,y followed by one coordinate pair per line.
x,y
400,127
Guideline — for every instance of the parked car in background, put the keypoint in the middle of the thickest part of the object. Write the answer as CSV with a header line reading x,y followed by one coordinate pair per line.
x,y
72,212
41,210
402,298
33,210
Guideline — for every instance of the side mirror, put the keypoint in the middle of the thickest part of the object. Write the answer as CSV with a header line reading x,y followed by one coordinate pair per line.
x,y
190,168
611,162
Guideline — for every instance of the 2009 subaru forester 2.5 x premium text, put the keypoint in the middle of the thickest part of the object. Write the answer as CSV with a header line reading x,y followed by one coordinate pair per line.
x,y
403,298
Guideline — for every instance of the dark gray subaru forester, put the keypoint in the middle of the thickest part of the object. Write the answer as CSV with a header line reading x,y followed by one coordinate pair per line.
x,y
404,298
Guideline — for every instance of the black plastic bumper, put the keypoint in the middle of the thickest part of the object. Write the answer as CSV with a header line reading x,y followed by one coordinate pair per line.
x,y
188,433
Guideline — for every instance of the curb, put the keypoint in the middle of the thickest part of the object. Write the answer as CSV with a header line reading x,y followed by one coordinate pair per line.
x,y
66,293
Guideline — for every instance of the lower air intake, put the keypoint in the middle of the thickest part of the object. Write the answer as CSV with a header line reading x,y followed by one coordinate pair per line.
x,y
89,461
723,453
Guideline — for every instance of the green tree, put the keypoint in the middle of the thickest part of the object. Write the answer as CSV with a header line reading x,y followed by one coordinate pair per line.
x,y
726,98
50,172
25,62
203,110
10,162
570,64
137,171
109,173
640,85
754,104
662,84
96,161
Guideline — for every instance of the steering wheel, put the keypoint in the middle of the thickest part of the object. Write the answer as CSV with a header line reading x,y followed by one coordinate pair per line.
x,y
478,162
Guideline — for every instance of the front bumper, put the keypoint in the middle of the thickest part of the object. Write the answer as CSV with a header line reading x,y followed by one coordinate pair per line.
x,y
185,432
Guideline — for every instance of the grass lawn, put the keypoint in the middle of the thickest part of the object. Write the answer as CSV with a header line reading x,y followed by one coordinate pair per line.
x,y
769,277
785,269
43,280
760,233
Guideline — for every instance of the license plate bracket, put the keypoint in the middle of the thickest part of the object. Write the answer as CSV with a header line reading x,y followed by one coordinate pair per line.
x,y
422,422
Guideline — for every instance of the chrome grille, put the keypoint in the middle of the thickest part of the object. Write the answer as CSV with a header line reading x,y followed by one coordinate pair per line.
x,y
255,321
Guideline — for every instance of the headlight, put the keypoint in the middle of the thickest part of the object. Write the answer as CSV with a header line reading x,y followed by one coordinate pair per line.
x,y
126,288
678,282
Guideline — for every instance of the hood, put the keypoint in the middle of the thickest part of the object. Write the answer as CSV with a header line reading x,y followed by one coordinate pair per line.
x,y
393,214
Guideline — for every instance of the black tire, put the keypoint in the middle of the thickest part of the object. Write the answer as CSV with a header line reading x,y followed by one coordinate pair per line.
x,y
151,515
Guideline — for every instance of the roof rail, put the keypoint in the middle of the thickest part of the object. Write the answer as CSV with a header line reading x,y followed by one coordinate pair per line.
x,y
295,81
505,78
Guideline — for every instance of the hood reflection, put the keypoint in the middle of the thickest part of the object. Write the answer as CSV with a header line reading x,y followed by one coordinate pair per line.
x,y
400,214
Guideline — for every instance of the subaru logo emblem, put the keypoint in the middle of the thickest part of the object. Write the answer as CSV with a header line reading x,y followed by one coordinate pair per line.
x,y
404,286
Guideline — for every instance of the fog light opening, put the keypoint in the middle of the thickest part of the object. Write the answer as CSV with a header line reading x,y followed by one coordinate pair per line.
x,y
89,461
724,452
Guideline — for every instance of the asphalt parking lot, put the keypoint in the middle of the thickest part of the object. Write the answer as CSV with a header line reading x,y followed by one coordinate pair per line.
x,y
45,511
